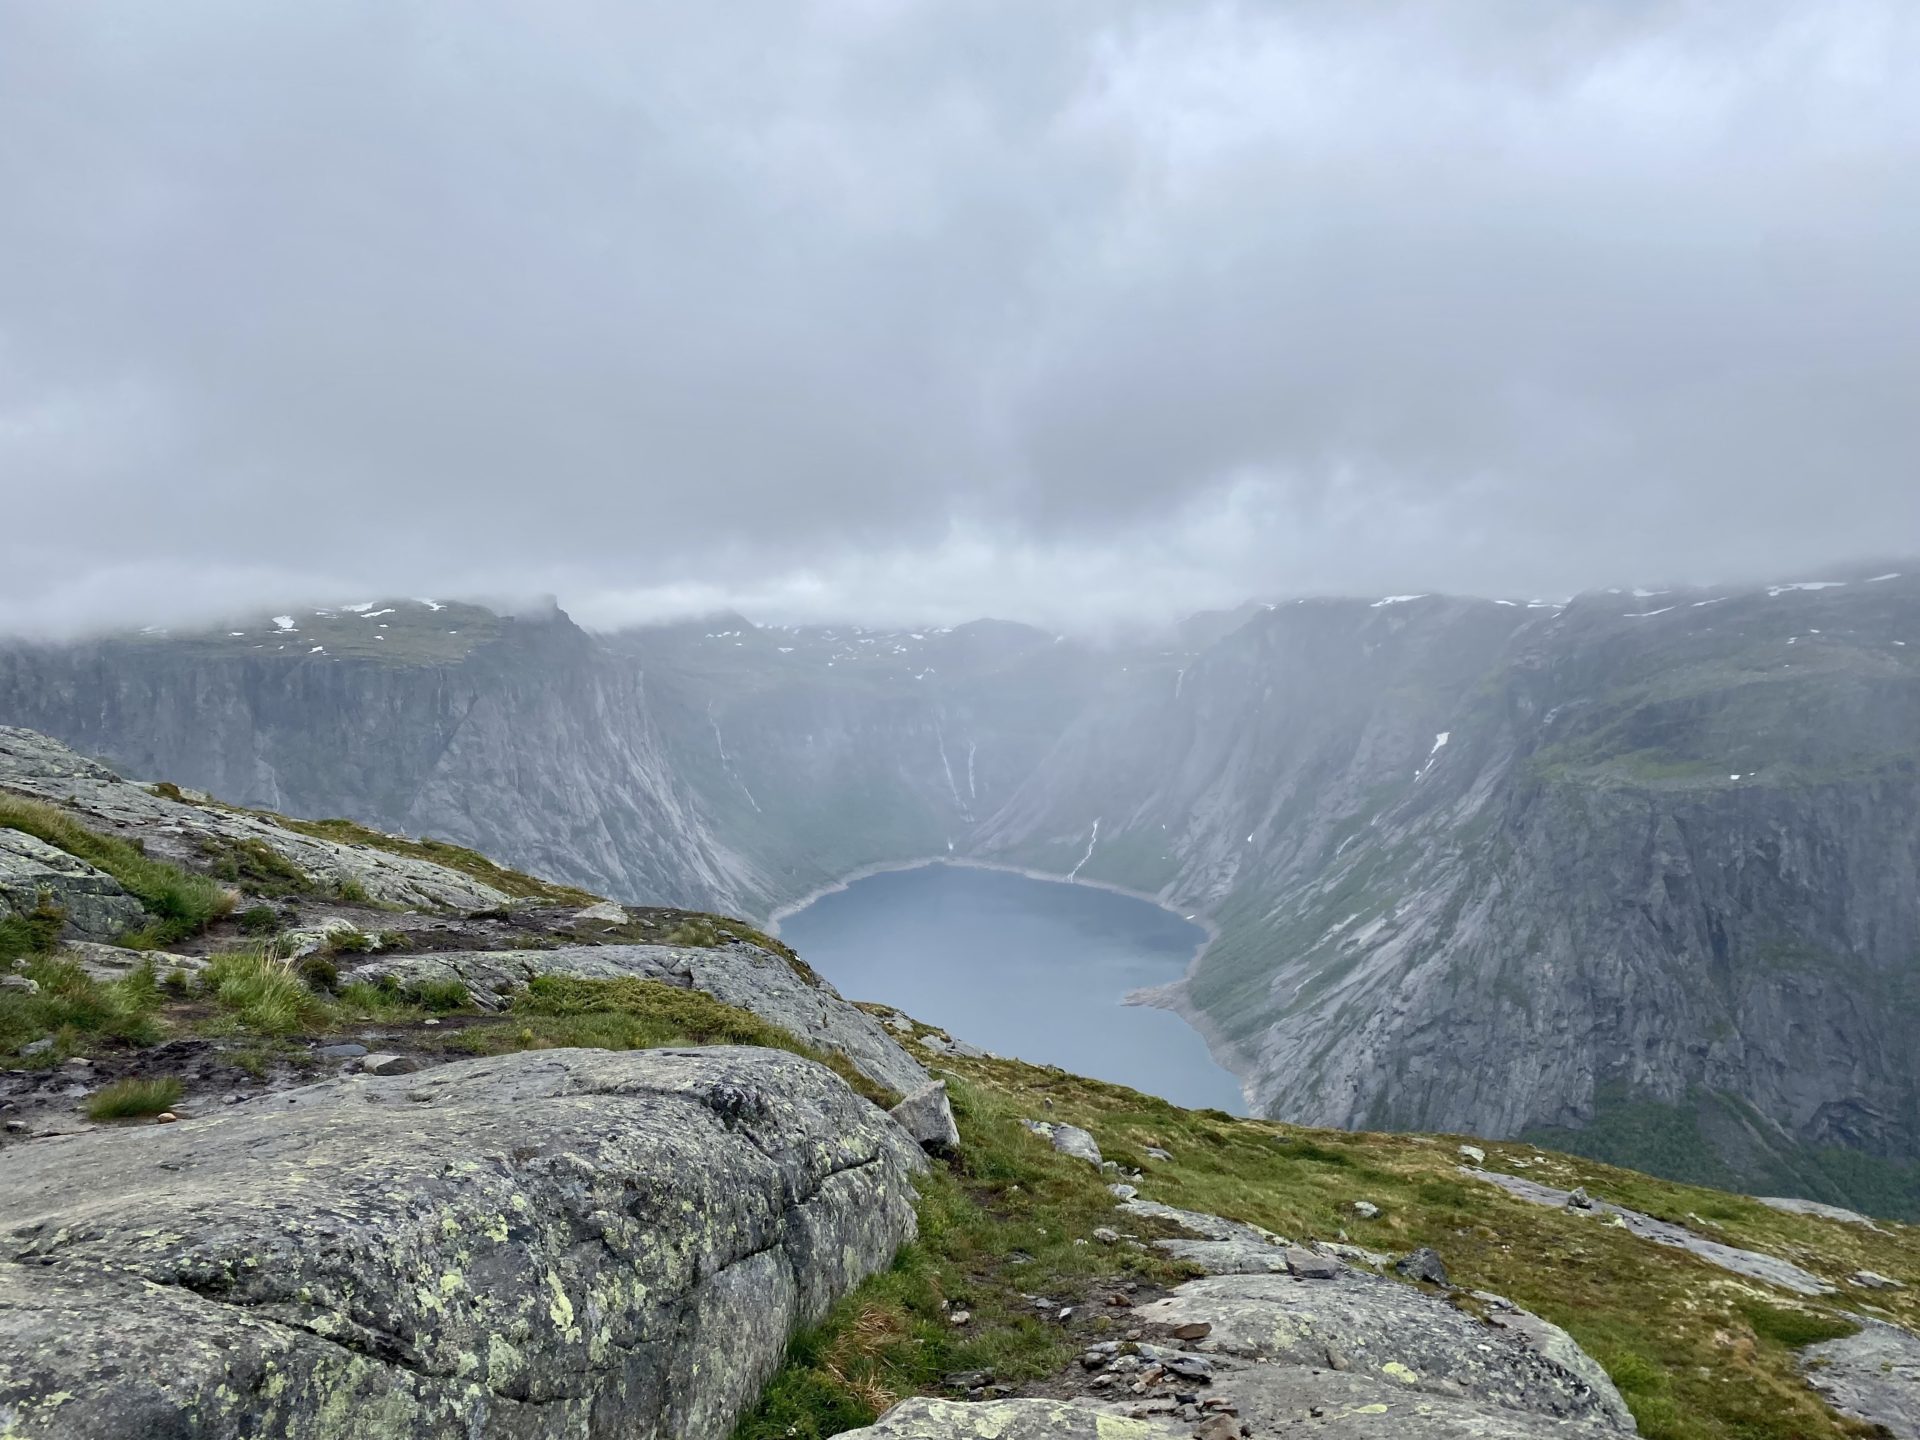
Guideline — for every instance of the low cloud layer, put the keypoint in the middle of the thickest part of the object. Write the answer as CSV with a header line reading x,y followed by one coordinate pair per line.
x,y
1075,312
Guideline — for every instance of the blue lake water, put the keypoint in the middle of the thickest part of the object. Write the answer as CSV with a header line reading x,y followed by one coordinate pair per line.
x,y
1022,967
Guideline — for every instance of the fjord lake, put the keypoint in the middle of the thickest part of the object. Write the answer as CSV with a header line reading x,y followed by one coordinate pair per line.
x,y
1030,968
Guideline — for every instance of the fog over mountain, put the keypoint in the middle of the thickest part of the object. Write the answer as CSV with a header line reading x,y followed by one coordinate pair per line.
x,y
834,310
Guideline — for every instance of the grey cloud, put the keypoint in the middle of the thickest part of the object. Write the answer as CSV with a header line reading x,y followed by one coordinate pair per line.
x,y
1079,312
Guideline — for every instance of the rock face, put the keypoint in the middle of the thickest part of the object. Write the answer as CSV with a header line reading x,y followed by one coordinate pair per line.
x,y
93,901
740,974
541,1245
1873,1376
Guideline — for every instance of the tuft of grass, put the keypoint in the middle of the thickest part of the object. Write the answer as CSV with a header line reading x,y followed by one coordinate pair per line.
x,y
73,1009
261,993
351,891
180,902
255,867
439,995
259,919
125,1099
32,933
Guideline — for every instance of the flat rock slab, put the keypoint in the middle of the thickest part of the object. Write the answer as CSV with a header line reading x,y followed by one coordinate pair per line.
x,y
1750,1263
1872,1376
1793,1205
533,1246
1226,1247
1388,1334
743,975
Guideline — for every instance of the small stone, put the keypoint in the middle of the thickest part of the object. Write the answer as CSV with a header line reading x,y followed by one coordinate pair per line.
x,y
1423,1264
1066,1313
230,1098
1308,1266
960,1317
1193,1330
1122,1192
1473,1154
1188,1367
1218,1427
1366,1209
165,1117
38,1047
1154,1152
1874,1280
1579,1199
22,984
385,1064
346,1051
16,1127
1072,1140
1337,1359
79,1064
430,1021
968,1380
1106,1235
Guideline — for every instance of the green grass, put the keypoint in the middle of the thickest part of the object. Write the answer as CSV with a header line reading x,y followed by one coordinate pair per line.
x,y
557,1011
262,994
180,902
74,1010
32,933
125,1099
255,866
1007,1196
1698,1354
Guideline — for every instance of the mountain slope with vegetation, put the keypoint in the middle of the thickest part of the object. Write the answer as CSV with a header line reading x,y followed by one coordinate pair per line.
x,y
1041,1264
1634,873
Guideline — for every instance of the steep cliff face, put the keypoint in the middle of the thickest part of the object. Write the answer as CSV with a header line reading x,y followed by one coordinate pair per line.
x,y
513,736
1480,865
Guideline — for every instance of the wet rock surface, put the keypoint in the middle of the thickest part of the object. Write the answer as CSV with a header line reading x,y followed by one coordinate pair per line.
x,y
548,1244
94,903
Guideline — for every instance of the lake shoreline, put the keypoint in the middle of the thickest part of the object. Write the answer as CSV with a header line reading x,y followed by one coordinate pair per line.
x,y
1171,997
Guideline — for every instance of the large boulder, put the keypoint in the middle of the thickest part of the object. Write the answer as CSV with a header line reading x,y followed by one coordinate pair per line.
x,y
93,901
550,1244
743,975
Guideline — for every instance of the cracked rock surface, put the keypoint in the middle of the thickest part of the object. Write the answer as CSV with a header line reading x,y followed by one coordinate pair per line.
x,y
540,1245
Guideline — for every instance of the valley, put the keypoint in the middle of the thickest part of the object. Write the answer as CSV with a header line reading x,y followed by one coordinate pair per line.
x,y
1637,868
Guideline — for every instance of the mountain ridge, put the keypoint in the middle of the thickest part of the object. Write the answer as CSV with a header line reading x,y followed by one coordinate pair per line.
x,y
1365,796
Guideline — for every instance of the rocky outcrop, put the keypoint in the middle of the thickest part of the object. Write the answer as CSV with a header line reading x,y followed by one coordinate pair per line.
x,y
741,974
35,765
92,901
1873,1375
1348,1352
1750,1263
541,1245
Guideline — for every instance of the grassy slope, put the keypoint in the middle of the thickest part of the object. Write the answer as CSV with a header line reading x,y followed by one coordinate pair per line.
x,y
1698,1353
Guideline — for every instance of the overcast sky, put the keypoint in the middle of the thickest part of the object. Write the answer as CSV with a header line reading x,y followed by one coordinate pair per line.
x,y
1065,311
